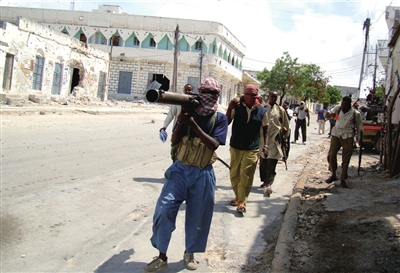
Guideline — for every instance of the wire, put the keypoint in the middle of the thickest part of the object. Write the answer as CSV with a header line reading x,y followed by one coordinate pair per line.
x,y
383,12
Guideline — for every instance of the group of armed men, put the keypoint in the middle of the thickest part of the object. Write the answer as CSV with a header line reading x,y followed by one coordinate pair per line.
x,y
260,135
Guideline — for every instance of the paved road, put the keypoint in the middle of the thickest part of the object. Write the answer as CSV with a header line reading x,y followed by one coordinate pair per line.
x,y
78,194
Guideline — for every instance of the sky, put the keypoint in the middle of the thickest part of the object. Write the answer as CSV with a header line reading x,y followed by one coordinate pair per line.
x,y
327,33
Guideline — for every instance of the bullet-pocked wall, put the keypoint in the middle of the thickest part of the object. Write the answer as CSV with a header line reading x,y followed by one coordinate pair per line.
x,y
37,60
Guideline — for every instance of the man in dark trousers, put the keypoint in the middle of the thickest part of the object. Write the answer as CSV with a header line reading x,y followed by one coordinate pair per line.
x,y
348,121
301,113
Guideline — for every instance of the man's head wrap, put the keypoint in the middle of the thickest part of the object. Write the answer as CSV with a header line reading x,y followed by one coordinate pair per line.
x,y
258,98
208,102
251,87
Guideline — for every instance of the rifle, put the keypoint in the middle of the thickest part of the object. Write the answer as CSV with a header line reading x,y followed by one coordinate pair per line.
x,y
283,147
360,153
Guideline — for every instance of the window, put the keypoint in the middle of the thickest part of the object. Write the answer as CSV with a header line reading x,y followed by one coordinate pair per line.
x,y
152,42
136,41
115,40
214,49
8,72
198,46
57,76
82,38
38,73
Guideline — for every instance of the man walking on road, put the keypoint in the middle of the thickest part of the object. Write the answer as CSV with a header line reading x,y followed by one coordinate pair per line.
x,y
321,119
301,112
348,121
190,178
277,136
250,121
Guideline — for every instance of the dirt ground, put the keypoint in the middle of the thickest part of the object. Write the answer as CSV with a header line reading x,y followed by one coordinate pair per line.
x,y
343,230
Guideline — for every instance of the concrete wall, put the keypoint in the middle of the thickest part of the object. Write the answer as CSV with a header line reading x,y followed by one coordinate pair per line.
x,y
392,81
27,39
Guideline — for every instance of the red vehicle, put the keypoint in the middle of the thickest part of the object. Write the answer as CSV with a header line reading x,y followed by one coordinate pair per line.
x,y
373,128
372,137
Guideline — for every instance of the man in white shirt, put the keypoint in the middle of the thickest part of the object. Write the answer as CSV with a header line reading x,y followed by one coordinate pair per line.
x,y
175,109
302,113
348,120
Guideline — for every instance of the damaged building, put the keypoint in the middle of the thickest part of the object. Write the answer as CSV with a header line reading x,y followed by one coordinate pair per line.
x,y
142,50
36,60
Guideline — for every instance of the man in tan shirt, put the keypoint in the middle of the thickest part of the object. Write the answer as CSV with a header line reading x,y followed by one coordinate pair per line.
x,y
348,121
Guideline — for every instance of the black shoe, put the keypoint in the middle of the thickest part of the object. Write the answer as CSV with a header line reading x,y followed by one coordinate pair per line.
x,y
343,184
331,179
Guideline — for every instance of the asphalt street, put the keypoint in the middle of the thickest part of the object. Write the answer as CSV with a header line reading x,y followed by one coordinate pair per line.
x,y
78,194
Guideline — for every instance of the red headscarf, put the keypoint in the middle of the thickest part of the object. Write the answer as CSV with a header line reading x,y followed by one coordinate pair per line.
x,y
258,98
209,102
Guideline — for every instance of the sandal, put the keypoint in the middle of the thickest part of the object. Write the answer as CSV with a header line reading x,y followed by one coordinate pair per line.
x,y
331,179
241,207
234,202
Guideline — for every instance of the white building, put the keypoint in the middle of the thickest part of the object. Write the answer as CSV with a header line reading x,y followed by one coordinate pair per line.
x,y
390,59
142,48
37,60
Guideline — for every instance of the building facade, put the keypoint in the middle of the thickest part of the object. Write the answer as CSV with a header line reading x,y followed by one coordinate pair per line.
x,y
393,61
38,60
142,48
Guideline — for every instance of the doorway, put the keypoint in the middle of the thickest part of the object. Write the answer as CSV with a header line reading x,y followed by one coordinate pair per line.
x,y
75,79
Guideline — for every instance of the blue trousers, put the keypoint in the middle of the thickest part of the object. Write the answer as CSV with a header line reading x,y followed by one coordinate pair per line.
x,y
195,186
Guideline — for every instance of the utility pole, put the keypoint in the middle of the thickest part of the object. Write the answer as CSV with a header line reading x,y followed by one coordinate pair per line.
x,y
72,6
201,61
376,57
367,24
104,96
175,69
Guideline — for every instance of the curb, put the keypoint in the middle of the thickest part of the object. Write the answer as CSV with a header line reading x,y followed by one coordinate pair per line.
x,y
282,255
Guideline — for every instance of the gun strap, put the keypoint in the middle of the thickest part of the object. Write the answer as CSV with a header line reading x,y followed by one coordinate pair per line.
x,y
212,124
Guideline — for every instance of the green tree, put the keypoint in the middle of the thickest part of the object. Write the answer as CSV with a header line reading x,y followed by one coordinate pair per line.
x,y
332,95
282,77
311,83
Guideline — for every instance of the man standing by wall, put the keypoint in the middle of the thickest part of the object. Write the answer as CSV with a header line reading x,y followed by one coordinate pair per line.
x,y
250,120
277,135
301,113
348,120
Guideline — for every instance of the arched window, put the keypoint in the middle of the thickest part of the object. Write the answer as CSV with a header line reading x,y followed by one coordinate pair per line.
x,y
199,46
165,43
98,39
213,48
149,42
65,31
116,39
220,53
80,35
183,45
132,41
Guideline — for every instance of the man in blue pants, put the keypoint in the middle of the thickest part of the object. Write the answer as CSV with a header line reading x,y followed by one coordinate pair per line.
x,y
190,179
